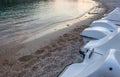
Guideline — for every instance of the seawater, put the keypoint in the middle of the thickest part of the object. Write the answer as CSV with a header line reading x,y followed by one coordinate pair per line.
x,y
40,14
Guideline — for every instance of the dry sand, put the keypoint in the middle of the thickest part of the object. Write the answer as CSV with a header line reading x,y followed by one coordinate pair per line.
x,y
49,60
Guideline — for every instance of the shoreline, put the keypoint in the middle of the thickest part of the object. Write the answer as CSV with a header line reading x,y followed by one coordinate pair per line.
x,y
26,44
54,33
55,55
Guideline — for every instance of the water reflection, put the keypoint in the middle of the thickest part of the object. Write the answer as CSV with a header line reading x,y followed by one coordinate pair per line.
x,y
39,14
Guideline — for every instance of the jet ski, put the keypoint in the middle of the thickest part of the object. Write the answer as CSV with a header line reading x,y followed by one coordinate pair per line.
x,y
96,65
104,23
101,52
102,27
113,16
94,33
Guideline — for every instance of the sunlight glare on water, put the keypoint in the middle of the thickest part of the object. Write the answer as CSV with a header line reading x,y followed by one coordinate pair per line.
x,y
41,14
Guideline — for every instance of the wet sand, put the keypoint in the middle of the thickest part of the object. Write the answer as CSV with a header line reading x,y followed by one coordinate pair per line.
x,y
51,58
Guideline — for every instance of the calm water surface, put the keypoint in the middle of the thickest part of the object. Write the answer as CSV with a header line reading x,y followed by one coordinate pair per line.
x,y
40,14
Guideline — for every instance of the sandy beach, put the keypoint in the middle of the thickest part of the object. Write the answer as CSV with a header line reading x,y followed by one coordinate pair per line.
x,y
48,56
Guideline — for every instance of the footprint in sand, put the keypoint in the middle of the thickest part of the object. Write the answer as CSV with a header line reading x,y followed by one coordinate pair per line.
x,y
7,62
40,51
25,58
